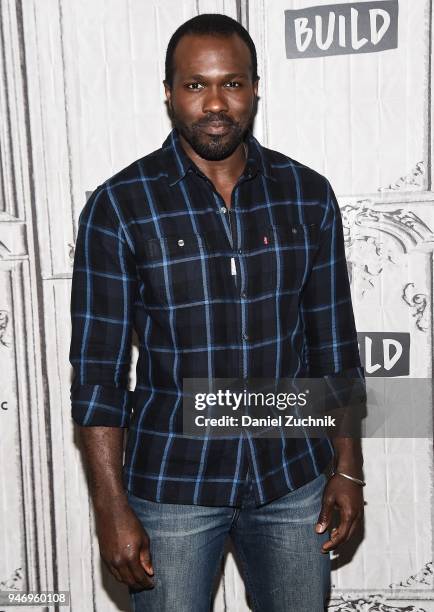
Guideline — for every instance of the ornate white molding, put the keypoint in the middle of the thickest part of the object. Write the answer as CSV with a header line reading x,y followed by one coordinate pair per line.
x,y
377,239
370,603
4,328
414,179
71,253
15,582
403,227
419,302
4,250
423,576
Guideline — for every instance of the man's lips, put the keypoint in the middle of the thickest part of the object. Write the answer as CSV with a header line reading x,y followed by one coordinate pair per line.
x,y
216,127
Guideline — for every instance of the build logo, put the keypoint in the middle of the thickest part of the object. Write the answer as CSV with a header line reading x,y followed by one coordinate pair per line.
x,y
338,29
385,354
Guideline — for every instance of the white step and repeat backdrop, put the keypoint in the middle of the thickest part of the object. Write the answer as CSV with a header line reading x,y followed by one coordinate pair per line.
x,y
346,89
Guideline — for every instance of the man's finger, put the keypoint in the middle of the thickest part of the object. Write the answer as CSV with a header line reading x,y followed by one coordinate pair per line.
x,y
354,526
146,559
325,514
126,574
338,534
115,572
141,577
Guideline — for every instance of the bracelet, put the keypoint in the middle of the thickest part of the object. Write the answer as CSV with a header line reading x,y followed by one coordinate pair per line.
x,y
357,480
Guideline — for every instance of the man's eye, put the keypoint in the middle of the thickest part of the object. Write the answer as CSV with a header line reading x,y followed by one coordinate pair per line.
x,y
233,83
194,85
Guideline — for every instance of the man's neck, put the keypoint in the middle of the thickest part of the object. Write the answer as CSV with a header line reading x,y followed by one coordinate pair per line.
x,y
222,172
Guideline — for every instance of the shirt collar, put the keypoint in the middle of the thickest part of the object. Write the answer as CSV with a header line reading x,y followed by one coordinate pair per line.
x,y
179,163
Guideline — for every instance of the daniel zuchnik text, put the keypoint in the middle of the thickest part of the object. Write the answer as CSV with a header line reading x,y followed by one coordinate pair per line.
x,y
287,420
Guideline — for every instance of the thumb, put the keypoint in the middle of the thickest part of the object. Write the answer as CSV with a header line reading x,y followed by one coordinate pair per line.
x,y
325,515
146,560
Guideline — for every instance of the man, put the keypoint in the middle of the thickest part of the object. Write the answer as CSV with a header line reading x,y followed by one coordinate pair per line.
x,y
228,260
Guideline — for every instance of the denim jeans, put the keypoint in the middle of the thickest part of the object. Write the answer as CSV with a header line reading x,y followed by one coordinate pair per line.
x,y
278,550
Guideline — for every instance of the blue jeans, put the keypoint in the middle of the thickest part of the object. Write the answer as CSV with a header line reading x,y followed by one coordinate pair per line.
x,y
276,545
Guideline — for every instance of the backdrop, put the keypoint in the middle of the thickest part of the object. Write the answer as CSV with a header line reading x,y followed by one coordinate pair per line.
x,y
345,89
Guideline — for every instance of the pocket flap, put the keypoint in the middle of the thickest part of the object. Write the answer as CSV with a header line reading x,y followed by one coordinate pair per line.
x,y
174,246
297,232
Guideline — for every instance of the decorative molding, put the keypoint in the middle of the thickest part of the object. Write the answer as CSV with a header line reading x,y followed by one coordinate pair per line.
x,y
4,250
415,178
371,603
402,226
13,238
377,239
243,12
418,301
14,184
71,252
423,576
15,583
4,323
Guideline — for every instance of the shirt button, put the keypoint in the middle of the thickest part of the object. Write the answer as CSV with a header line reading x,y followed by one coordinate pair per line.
x,y
294,230
243,294
223,210
180,242
240,251
245,336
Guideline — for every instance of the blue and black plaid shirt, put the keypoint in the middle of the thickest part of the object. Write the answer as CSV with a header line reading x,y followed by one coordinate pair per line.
x,y
260,289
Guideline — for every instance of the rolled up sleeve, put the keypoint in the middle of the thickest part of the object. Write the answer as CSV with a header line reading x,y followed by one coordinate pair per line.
x,y
331,347
103,290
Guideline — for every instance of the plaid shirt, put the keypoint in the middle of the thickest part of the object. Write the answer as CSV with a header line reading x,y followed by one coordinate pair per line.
x,y
260,289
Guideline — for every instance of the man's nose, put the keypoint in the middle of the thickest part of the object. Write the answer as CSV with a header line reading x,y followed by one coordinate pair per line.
x,y
215,101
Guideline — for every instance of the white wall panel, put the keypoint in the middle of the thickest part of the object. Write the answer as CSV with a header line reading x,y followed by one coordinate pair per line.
x,y
25,483
373,107
365,122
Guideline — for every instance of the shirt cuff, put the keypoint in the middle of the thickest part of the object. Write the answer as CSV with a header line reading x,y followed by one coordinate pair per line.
x,y
345,399
320,363
99,405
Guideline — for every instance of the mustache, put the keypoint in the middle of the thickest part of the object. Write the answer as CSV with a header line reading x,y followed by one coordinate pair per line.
x,y
214,118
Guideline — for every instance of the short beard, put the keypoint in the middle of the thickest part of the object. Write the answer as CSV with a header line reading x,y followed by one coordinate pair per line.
x,y
217,148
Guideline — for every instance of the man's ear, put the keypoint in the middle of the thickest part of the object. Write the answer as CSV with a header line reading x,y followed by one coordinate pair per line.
x,y
168,92
255,86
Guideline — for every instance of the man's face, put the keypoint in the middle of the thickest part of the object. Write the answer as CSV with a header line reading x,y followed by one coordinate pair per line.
x,y
212,99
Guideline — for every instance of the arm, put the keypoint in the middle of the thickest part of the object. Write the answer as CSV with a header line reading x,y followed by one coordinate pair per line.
x,y
104,287
331,351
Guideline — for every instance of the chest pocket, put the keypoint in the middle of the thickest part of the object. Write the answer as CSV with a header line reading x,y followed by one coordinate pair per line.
x,y
296,246
182,268
284,259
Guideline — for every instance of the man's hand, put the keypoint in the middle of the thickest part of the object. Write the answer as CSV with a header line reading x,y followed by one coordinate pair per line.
x,y
347,496
124,545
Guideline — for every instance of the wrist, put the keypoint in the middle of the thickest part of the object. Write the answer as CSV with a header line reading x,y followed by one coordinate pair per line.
x,y
348,456
355,479
110,503
350,466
